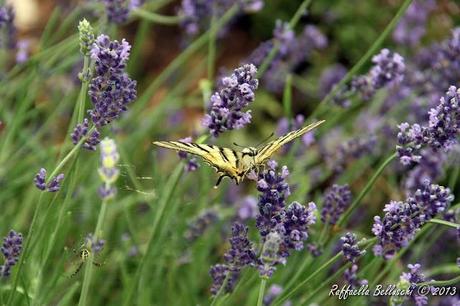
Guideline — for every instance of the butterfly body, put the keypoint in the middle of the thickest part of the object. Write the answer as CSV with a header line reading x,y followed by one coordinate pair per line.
x,y
232,163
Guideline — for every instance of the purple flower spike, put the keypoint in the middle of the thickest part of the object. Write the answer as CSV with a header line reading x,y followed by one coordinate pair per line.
x,y
337,199
227,104
11,249
55,183
117,10
403,219
351,252
272,199
53,186
7,27
389,68
40,179
241,254
111,90
80,131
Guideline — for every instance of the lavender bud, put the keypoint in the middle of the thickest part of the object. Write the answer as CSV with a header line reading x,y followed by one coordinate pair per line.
x,y
11,250
86,34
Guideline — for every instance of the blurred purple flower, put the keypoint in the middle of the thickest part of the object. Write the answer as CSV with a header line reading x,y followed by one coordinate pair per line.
x,y
197,14
285,126
117,10
429,167
412,26
11,250
80,131
336,200
272,293
95,244
108,171
227,104
53,186
240,255
22,54
7,27
247,208
111,90
199,225
389,68
330,77
351,276
403,219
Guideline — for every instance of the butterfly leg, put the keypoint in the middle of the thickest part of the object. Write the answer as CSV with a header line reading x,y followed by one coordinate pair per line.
x,y
78,269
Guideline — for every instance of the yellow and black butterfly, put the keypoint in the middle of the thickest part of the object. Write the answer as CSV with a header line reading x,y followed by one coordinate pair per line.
x,y
231,163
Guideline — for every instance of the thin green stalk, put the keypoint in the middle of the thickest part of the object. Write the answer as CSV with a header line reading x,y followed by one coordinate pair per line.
x,y
162,203
326,265
212,47
444,269
448,282
287,97
156,18
177,63
25,250
363,60
216,297
89,266
263,284
454,177
365,190
443,222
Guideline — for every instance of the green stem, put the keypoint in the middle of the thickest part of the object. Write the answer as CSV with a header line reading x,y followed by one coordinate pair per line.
x,y
25,250
215,298
156,18
263,284
287,97
89,266
454,177
162,203
443,222
365,190
363,60
448,282
212,46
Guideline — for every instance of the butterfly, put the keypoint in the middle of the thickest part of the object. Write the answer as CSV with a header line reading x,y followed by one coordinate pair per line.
x,y
231,163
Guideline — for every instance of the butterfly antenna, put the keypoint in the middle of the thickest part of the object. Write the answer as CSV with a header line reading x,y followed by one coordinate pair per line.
x,y
265,140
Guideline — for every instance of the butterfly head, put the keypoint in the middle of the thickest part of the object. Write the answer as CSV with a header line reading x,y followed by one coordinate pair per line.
x,y
251,151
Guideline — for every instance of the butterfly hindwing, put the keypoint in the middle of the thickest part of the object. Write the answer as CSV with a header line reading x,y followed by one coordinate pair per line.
x,y
224,160
267,151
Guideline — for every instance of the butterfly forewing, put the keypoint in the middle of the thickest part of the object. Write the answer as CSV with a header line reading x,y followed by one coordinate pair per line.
x,y
267,151
223,159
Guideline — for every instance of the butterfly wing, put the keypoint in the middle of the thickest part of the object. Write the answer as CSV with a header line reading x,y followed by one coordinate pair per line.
x,y
225,161
267,151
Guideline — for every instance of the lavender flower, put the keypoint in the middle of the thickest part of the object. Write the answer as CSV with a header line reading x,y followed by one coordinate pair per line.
x,y
108,171
412,26
351,252
111,90
94,244
388,68
117,10
192,163
272,293
240,255
270,256
336,200
429,167
199,225
409,281
7,28
22,55
227,104
11,250
197,14
285,126
272,199
403,219
247,208
354,148
330,77
80,131
441,132
53,186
